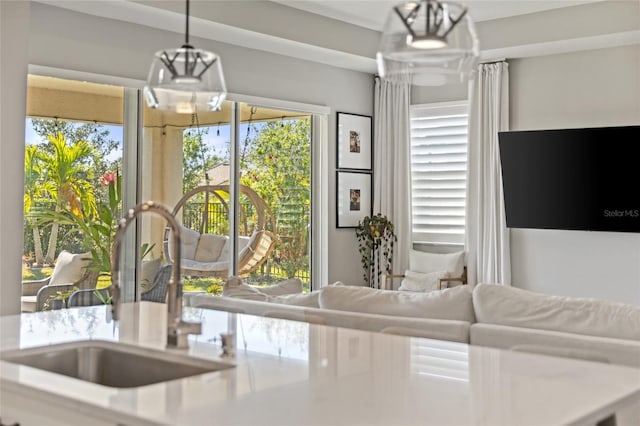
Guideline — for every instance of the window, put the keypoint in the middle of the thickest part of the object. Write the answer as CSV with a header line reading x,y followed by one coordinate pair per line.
x,y
439,134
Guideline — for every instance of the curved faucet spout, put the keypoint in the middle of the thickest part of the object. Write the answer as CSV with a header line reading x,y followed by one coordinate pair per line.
x,y
177,329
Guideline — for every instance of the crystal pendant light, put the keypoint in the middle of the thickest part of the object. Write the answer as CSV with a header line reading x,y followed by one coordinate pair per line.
x,y
185,80
433,41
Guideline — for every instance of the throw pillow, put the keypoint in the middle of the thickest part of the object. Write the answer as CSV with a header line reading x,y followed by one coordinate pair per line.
x,y
417,281
69,267
209,247
452,303
188,242
290,286
148,273
426,263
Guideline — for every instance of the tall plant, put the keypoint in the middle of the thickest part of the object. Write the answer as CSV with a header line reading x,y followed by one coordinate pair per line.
x,y
375,240
98,225
68,182
33,191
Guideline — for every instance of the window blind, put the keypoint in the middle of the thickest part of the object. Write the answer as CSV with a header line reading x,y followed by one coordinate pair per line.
x,y
439,134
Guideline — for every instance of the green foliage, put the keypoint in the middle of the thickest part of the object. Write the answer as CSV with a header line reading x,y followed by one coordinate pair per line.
x,y
98,225
375,243
60,295
29,274
277,165
211,285
197,159
94,134
63,173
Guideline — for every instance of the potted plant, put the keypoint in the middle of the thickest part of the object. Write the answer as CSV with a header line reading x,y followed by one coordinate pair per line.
x,y
375,240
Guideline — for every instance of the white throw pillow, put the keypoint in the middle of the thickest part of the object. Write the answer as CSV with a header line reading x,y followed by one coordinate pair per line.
x,y
290,286
69,267
426,263
209,247
188,242
417,281
311,300
504,305
452,303
148,273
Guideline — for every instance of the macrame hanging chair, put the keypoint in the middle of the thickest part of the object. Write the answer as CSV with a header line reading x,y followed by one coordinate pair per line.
x,y
205,254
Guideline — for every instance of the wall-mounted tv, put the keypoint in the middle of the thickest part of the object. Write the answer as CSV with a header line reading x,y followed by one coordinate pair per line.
x,y
578,179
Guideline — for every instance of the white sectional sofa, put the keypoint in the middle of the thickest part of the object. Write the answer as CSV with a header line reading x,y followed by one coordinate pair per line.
x,y
490,315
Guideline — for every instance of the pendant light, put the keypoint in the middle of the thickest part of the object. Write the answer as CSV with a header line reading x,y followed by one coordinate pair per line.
x,y
432,41
185,80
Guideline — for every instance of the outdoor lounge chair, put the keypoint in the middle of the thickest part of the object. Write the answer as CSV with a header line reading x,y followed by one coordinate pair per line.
x,y
69,272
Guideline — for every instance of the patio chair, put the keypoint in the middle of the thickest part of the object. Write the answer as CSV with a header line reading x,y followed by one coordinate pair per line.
x,y
156,293
70,271
207,255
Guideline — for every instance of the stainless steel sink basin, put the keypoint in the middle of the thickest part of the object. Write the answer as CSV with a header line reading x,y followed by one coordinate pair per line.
x,y
113,364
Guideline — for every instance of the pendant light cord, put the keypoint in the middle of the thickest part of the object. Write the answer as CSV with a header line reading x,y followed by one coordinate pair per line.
x,y
186,33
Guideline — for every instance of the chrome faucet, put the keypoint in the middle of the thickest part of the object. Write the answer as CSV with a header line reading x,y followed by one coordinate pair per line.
x,y
177,329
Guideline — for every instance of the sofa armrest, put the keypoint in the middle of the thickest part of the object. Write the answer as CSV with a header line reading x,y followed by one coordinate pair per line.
x,y
30,288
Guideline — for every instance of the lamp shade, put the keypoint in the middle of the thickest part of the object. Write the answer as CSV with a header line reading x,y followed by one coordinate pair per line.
x,y
185,80
433,41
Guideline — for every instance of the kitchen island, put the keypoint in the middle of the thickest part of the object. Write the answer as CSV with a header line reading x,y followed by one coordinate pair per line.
x,y
289,372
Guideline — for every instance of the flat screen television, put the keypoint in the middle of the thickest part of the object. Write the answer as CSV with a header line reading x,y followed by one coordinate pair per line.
x,y
577,179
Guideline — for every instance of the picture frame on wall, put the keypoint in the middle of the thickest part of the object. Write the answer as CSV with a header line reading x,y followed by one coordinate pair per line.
x,y
353,197
354,141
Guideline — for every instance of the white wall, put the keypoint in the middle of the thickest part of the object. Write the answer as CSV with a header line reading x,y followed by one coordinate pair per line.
x,y
70,40
582,89
14,23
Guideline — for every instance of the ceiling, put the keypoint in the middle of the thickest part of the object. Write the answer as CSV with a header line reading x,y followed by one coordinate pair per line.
x,y
372,13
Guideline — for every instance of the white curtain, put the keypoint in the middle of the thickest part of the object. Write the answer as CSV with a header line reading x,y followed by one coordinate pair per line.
x,y
488,255
392,181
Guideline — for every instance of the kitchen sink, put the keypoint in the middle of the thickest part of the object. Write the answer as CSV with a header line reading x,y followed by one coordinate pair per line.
x,y
113,364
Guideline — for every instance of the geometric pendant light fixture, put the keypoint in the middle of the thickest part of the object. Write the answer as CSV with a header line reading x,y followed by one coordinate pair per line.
x,y
433,41
185,80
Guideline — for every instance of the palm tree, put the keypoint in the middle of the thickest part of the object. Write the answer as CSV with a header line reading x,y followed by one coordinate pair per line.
x,y
33,190
67,181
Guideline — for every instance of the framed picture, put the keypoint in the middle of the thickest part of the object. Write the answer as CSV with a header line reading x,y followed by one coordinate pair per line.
x,y
353,202
354,141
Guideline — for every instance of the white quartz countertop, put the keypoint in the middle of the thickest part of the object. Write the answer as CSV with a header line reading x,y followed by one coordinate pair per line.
x,y
290,372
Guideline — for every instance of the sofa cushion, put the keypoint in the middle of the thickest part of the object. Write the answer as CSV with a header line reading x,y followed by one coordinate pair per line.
x,y
452,303
290,286
69,267
502,305
418,281
235,287
424,262
311,300
209,247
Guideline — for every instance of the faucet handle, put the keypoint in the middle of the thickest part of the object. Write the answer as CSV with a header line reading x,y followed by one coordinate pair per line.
x,y
178,335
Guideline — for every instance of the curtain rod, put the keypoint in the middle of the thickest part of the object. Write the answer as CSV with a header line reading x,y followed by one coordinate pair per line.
x,y
493,61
